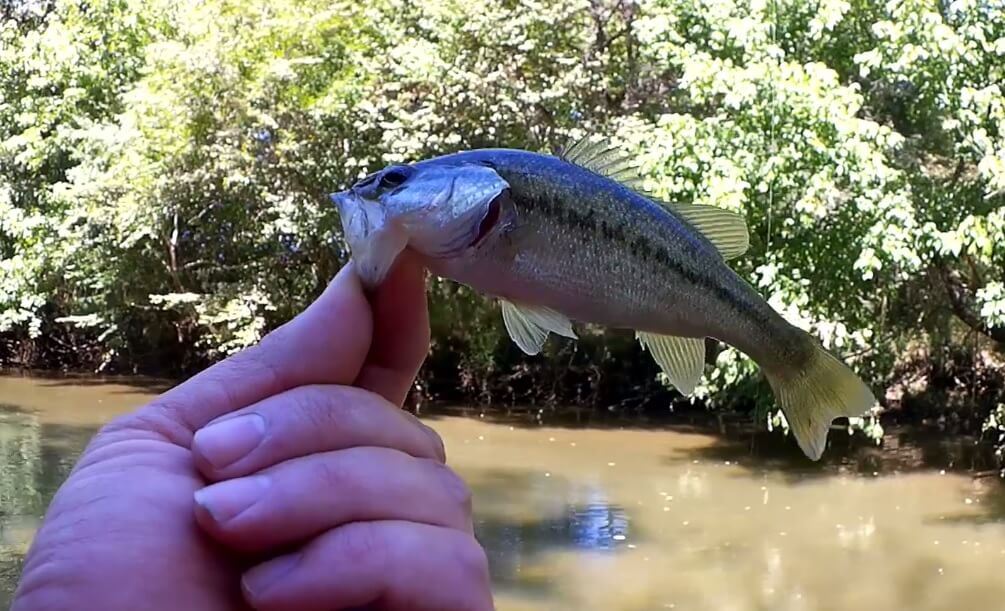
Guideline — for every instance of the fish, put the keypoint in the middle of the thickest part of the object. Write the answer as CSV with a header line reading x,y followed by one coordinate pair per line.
x,y
576,237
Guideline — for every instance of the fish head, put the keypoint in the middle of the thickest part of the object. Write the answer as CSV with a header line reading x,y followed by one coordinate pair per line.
x,y
436,209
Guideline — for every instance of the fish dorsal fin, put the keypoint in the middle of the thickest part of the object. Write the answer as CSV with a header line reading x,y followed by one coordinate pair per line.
x,y
606,158
682,359
529,326
725,229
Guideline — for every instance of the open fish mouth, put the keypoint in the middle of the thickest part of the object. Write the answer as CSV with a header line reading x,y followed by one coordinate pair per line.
x,y
344,200
373,240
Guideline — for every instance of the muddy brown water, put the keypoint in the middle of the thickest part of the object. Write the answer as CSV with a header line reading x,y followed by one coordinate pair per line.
x,y
618,519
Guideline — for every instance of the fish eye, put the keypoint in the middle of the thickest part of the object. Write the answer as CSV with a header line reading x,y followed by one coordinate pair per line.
x,y
366,180
393,178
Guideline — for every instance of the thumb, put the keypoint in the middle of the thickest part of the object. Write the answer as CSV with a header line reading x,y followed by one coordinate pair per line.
x,y
325,344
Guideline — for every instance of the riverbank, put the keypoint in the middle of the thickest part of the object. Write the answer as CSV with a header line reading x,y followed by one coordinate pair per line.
x,y
908,444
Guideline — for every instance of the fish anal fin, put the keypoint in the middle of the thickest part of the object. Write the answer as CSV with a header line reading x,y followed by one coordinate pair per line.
x,y
528,326
682,359
725,229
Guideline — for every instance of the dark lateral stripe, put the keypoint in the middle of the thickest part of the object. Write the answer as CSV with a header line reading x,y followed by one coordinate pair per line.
x,y
588,221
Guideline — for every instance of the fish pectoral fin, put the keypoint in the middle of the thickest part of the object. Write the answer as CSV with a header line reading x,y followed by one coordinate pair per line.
x,y
725,229
682,359
529,326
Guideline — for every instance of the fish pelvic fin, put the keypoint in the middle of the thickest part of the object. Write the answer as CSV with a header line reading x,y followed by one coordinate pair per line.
x,y
528,326
682,359
816,393
725,229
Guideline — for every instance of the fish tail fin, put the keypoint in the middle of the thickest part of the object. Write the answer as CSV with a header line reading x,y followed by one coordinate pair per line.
x,y
815,392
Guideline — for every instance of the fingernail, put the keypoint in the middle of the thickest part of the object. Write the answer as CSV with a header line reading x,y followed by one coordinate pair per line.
x,y
260,579
227,441
227,499
437,441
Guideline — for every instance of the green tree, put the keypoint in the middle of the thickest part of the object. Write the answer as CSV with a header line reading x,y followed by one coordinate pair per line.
x,y
164,167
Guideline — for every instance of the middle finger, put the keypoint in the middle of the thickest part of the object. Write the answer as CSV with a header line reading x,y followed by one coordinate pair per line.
x,y
304,421
301,498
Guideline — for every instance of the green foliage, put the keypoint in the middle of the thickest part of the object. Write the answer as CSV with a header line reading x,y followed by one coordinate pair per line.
x,y
164,166
864,144
995,426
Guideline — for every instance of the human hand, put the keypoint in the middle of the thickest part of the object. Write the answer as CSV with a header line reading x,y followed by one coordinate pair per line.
x,y
324,495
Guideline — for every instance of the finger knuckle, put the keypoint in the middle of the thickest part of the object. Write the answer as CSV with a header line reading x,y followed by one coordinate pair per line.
x,y
154,421
332,472
320,407
456,487
471,558
331,408
363,543
315,413
438,447
252,363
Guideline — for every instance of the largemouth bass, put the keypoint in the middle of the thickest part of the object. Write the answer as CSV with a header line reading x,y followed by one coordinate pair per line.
x,y
574,237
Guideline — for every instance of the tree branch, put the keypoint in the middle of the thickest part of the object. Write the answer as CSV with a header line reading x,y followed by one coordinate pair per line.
x,y
961,301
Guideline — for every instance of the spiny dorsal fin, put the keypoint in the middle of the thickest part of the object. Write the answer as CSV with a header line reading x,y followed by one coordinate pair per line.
x,y
682,359
602,156
528,326
725,229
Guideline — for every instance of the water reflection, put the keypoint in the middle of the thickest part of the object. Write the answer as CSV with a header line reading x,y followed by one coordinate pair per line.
x,y
585,519
596,527
35,458
44,426
522,516
712,523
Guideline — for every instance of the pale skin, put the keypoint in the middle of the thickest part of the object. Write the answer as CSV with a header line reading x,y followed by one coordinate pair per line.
x,y
285,477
